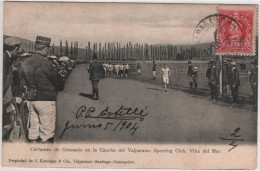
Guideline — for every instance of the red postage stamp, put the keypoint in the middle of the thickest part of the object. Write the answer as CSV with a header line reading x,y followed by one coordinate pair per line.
x,y
236,31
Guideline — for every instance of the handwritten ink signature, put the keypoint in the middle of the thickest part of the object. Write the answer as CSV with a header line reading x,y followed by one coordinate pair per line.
x,y
124,118
121,113
234,137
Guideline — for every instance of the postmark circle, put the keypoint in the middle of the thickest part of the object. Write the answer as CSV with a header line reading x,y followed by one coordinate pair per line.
x,y
211,22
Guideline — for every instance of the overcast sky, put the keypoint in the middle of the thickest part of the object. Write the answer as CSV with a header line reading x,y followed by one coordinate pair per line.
x,y
83,22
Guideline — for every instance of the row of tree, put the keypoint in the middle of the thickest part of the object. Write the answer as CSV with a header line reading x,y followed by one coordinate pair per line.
x,y
129,51
116,51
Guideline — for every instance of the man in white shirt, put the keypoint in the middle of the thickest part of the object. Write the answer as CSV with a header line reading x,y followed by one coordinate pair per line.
x,y
121,70
166,73
110,69
116,67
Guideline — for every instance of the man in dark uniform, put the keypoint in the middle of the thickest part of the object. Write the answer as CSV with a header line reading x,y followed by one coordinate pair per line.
x,y
213,82
234,82
43,83
209,70
11,47
96,72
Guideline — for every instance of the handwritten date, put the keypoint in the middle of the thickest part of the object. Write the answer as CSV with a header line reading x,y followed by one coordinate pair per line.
x,y
121,119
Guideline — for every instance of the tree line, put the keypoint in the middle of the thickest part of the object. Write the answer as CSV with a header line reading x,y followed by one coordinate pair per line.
x,y
115,51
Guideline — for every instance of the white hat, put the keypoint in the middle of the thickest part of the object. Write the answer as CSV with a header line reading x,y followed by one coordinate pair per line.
x,y
64,58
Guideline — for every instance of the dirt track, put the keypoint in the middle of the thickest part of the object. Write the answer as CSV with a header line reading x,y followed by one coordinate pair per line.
x,y
173,116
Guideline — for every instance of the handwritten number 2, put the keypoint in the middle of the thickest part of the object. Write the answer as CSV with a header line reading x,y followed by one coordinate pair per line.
x,y
235,132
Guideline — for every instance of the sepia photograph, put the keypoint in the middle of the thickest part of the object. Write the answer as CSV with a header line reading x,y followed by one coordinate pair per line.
x,y
130,73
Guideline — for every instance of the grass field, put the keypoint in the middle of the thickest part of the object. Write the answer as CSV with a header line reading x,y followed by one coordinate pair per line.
x,y
179,74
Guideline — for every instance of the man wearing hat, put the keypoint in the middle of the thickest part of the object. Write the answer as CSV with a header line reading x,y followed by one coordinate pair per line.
x,y
96,72
234,82
214,81
11,47
43,83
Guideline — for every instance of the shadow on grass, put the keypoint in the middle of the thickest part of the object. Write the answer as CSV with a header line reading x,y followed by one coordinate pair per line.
x,y
157,89
86,95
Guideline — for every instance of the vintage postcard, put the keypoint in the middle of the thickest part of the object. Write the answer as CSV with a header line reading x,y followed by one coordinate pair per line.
x,y
129,85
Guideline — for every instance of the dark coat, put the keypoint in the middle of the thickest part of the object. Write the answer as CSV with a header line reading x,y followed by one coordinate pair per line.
x,y
154,67
189,71
234,77
214,76
39,73
96,70
7,78
208,73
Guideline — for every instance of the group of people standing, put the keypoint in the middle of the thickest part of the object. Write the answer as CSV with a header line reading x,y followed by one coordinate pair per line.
x,y
31,81
230,79
118,69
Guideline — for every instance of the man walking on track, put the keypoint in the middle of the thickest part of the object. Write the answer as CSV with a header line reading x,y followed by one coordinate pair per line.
x,y
43,83
165,71
96,72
